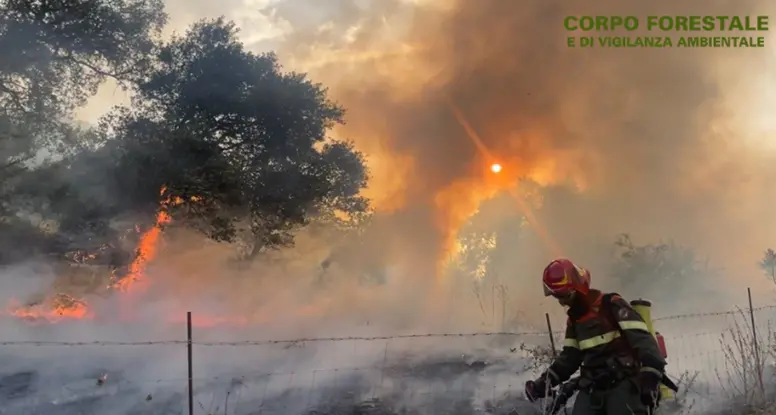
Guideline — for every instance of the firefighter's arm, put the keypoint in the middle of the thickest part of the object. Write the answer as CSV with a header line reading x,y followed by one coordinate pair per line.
x,y
638,336
568,360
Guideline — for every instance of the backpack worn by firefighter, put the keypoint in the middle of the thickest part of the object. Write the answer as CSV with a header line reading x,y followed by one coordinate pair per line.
x,y
558,399
606,300
621,366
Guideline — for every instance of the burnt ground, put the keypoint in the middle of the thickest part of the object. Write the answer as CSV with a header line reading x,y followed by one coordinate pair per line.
x,y
433,386
416,383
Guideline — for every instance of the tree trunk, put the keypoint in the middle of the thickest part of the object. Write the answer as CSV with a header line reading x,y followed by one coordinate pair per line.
x,y
255,251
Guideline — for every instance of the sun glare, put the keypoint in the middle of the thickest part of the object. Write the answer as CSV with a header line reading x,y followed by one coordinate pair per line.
x,y
495,168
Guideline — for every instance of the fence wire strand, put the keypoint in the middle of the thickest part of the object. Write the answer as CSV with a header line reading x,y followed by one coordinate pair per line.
x,y
296,376
355,338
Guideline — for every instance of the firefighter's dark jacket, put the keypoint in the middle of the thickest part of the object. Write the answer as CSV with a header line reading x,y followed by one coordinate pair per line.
x,y
594,338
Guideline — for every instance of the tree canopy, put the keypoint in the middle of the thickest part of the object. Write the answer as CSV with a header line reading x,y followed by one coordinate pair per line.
x,y
230,143
653,269
56,54
768,264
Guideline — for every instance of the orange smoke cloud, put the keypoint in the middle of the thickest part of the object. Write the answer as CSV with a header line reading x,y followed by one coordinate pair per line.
x,y
625,125
416,103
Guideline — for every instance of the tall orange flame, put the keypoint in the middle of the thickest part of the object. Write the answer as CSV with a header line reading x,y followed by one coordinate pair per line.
x,y
147,248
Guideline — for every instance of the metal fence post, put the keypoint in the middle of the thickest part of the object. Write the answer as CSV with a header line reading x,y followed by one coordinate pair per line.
x,y
549,330
189,346
755,343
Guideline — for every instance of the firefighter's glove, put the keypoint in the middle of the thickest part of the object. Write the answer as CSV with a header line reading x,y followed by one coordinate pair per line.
x,y
537,389
649,387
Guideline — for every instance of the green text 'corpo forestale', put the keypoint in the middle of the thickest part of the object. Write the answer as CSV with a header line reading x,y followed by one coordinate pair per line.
x,y
667,31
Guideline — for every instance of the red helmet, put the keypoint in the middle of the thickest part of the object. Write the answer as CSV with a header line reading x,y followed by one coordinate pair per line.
x,y
562,278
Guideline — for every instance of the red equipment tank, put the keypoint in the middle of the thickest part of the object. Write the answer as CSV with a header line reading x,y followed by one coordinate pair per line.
x,y
661,344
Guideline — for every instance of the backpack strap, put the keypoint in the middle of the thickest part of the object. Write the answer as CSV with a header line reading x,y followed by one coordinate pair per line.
x,y
606,309
608,313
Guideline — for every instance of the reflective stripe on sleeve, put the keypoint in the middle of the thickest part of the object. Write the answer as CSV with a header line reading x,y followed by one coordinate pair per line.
x,y
598,340
634,325
571,343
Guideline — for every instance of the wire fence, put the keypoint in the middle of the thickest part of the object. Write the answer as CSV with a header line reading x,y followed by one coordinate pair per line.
x,y
715,356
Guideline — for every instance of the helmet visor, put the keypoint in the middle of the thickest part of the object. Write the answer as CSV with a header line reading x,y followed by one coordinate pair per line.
x,y
561,293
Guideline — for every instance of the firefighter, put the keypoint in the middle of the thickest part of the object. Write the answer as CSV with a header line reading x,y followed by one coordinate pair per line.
x,y
620,365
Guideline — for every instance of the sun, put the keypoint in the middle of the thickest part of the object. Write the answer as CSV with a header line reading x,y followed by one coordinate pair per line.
x,y
495,168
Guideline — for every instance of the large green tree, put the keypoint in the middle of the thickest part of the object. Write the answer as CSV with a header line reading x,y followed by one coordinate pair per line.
x,y
654,269
240,143
768,264
54,56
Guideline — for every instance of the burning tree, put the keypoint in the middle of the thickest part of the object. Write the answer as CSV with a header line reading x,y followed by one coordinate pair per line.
x,y
216,138
55,55
485,261
248,141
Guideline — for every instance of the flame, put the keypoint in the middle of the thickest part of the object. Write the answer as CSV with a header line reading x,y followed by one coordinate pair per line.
x,y
148,245
135,283
457,203
147,249
62,306
58,308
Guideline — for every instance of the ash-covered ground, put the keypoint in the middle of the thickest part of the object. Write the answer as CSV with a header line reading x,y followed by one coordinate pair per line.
x,y
140,367
412,382
416,375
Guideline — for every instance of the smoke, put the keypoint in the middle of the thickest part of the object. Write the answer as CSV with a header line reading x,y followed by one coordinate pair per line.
x,y
241,315
660,143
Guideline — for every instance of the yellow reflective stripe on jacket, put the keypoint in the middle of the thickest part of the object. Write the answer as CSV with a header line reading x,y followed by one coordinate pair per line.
x,y
634,325
610,336
571,343
598,340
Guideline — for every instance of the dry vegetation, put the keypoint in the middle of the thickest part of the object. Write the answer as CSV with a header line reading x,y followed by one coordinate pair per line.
x,y
747,379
